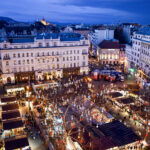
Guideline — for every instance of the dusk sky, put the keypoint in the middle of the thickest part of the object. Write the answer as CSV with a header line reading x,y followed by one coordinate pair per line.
x,y
78,11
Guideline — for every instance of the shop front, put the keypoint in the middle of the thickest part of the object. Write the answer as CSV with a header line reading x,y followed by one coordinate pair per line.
x,y
71,71
22,77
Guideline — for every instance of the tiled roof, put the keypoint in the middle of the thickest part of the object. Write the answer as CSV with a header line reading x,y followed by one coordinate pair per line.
x,y
62,36
7,125
10,115
109,44
16,143
21,40
119,133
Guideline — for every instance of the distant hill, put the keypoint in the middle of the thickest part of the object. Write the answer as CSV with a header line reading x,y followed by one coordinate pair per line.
x,y
7,19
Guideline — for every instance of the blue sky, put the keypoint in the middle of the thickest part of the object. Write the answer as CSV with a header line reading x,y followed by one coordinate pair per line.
x,y
76,11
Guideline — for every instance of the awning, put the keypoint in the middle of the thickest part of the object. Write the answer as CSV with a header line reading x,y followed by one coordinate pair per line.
x,y
7,125
10,107
10,115
8,99
16,143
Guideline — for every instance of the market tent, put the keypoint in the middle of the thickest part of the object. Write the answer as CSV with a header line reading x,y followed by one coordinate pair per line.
x,y
119,133
10,107
126,100
16,143
115,94
8,99
12,124
10,115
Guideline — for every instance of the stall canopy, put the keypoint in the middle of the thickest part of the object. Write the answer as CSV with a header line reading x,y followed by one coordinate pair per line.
x,y
10,115
119,133
10,107
127,100
16,123
16,143
8,99
115,94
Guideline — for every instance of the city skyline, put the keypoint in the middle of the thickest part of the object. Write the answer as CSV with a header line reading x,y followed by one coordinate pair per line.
x,y
71,11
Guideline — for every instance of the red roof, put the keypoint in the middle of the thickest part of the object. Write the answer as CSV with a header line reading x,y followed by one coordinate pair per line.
x,y
109,44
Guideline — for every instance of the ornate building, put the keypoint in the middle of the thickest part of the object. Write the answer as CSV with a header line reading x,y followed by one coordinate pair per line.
x,y
43,57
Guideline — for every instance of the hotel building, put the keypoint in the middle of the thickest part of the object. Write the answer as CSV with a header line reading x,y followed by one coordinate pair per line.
x,y
43,57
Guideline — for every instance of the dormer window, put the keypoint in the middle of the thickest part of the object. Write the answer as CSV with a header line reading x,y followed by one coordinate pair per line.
x,y
40,44
5,45
47,44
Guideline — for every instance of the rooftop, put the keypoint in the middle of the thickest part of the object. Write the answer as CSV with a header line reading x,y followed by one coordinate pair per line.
x,y
16,143
110,44
12,124
119,133
31,39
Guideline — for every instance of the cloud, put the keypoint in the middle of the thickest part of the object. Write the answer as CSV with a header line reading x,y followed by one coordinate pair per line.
x,y
64,10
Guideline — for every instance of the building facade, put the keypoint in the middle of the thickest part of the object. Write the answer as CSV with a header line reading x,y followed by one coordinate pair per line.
x,y
98,36
141,52
43,57
111,52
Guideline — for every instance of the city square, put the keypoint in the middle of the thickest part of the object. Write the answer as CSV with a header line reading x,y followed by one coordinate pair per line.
x,y
74,75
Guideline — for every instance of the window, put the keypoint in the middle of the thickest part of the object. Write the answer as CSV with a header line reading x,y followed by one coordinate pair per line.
x,y
43,60
83,57
7,70
27,54
67,58
40,44
18,55
19,69
55,44
67,52
23,61
52,59
77,57
15,70
27,61
31,54
63,58
7,63
23,55
53,53
74,57
57,66
38,54
14,62
53,66
19,62
78,51
74,51
32,68
83,64
47,44
70,52
71,65
32,61
14,55
5,45
74,64
57,59
70,58
43,54
38,60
